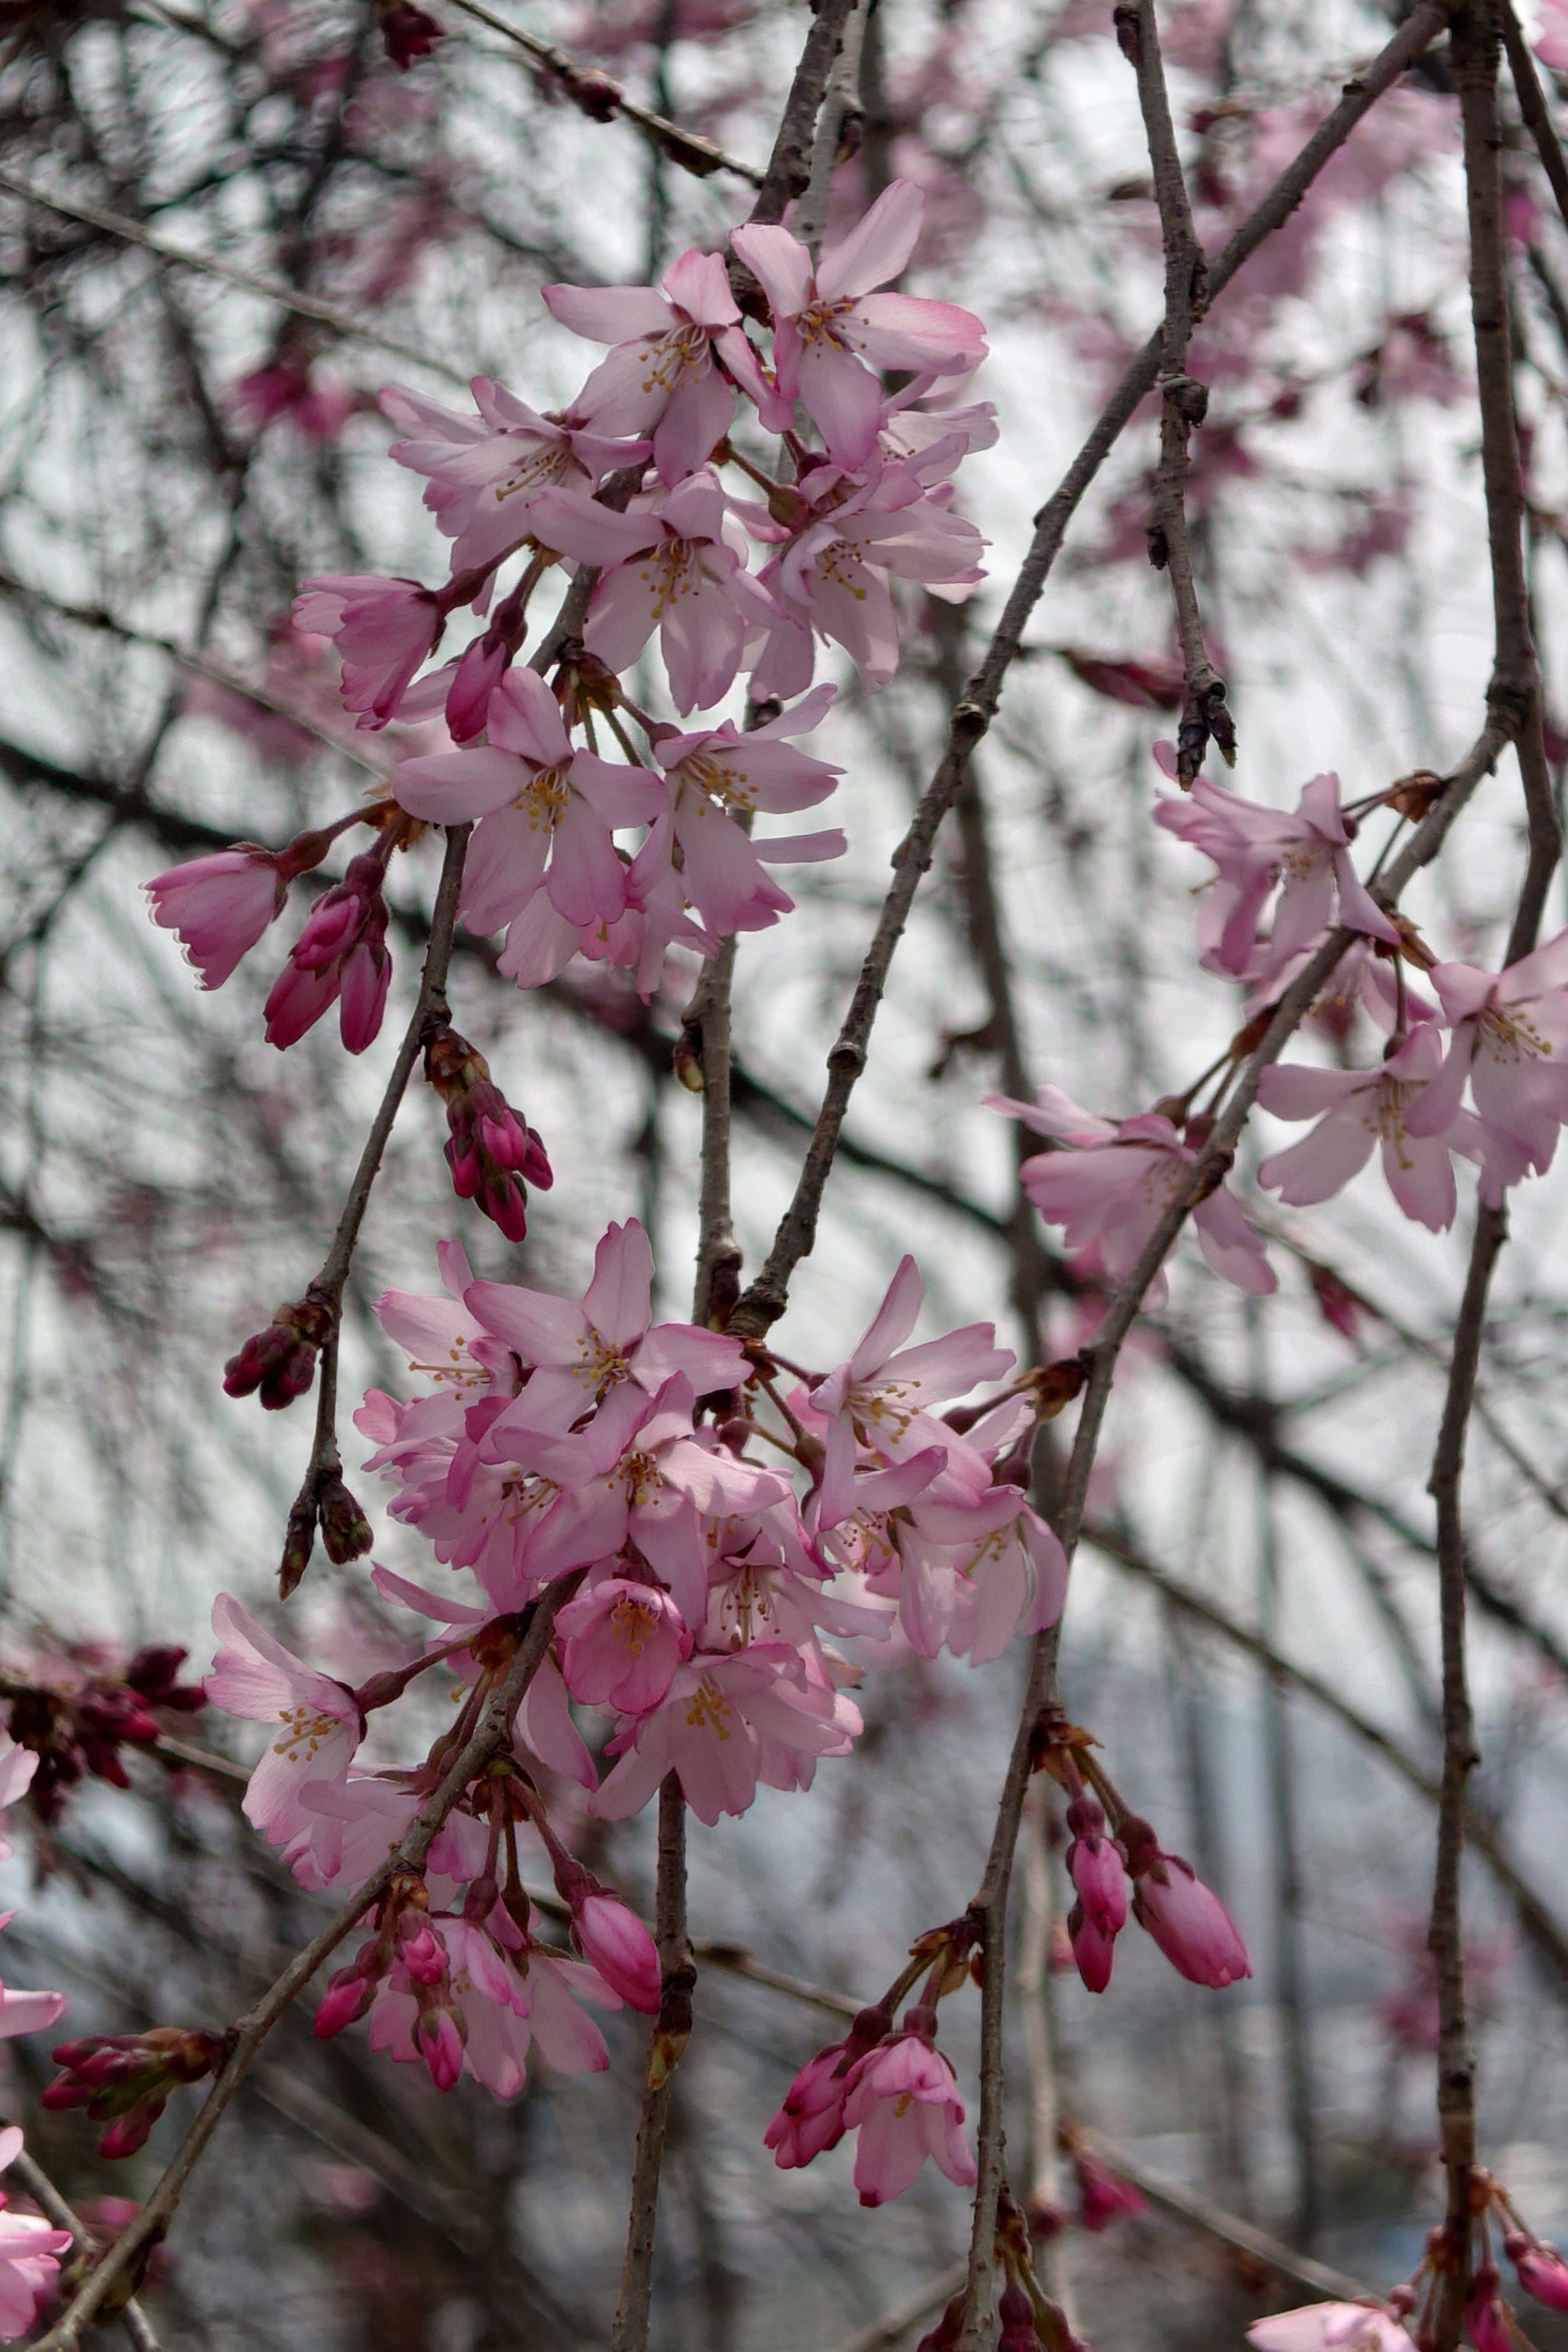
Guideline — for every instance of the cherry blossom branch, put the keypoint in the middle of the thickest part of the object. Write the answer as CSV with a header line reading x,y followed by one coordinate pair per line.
x,y
990,1903
1183,402
789,166
602,99
326,1292
1516,684
1538,1923
1532,106
303,306
671,2029
490,1731
765,1298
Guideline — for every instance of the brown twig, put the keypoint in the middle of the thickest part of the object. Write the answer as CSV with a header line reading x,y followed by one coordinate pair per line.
x,y
1183,401
303,306
604,101
671,2028
765,1298
1516,691
1537,1922
788,175
128,2253
326,1292
1532,106
1121,1312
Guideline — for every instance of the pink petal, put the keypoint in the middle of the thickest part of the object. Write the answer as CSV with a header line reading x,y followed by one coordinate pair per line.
x,y
608,314
878,247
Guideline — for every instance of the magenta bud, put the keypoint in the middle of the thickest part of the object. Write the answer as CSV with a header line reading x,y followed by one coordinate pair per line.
x,y
1190,1924
438,2038
347,1997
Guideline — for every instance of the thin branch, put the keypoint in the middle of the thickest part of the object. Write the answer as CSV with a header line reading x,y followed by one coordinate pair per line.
x,y
1121,1312
603,101
430,1012
671,2028
1516,686
788,175
1229,2229
1537,1922
765,1298
1532,106
128,2253
1183,402
303,306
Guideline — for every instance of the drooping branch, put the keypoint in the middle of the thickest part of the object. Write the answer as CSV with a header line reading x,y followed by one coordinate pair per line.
x,y
765,1298
127,2257
1183,401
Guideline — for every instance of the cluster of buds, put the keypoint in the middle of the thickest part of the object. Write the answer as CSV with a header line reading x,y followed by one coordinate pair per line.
x,y
493,1153
1170,1902
125,2079
404,1940
75,1731
340,958
279,1362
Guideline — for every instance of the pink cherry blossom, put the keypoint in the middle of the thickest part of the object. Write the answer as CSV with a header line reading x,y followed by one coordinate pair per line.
x,y
833,578
580,1351
674,561
726,1723
383,628
1551,42
536,800
340,958
219,906
1306,853
972,1574
883,1397
638,1470
1511,1040
485,472
720,770
623,1642
29,2252
661,375
832,334
1330,2327
903,2101
1542,2272
317,1724
1357,1109
1111,1188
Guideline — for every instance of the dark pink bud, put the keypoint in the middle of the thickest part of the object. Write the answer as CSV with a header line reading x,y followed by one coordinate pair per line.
x,y
1099,1874
479,674
1016,2314
1542,2272
408,32
492,1152
1486,2317
347,1997
1092,1949
438,2038
281,1361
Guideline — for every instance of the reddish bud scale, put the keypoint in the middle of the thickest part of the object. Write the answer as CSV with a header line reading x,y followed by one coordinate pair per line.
x,y
280,1363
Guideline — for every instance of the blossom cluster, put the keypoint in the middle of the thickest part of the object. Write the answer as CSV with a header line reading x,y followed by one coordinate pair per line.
x,y
632,488
1477,1071
563,1439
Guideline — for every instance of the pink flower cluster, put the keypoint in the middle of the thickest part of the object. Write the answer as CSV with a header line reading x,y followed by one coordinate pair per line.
x,y
562,1438
633,482
1501,1035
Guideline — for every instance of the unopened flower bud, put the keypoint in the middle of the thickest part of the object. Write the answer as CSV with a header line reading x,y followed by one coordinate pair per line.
x,y
346,1530
1542,2272
945,2335
492,1152
124,2079
1016,2314
615,1942
406,32
281,1361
